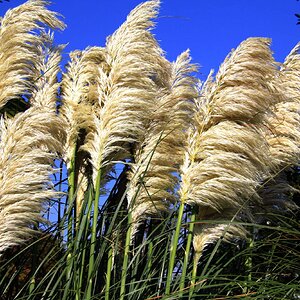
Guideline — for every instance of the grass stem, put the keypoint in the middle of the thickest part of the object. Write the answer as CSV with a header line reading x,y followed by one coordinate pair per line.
x,y
125,260
94,235
187,251
174,248
108,272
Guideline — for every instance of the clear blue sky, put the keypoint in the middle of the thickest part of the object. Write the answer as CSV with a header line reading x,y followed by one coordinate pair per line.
x,y
210,28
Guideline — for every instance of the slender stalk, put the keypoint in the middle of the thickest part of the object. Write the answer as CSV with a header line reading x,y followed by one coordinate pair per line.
x,y
84,221
194,275
187,252
129,230
60,225
174,248
125,261
82,227
108,273
71,194
94,235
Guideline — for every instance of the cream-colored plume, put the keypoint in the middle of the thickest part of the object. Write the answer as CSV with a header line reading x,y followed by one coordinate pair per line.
x,y
247,69
127,89
30,141
283,136
227,154
283,132
20,47
109,93
211,227
28,144
157,158
78,96
80,102
47,69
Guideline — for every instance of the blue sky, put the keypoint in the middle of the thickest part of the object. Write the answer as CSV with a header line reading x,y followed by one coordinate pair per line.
x,y
209,28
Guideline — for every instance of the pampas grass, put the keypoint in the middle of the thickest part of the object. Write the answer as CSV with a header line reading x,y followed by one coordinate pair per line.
x,y
47,68
79,101
152,176
30,141
28,146
177,162
20,47
227,154
126,89
283,136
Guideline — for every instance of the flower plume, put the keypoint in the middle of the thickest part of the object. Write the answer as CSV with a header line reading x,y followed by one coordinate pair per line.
x,y
227,155
21,39
126,88
153,172
28,145
30,141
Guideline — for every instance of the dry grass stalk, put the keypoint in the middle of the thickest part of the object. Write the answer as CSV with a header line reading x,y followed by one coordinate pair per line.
x,y
227,153
158,156
77,89
283,136
30,141
109,94
126,90
80,101
47,69
284,129
28,144
19,49
255,66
